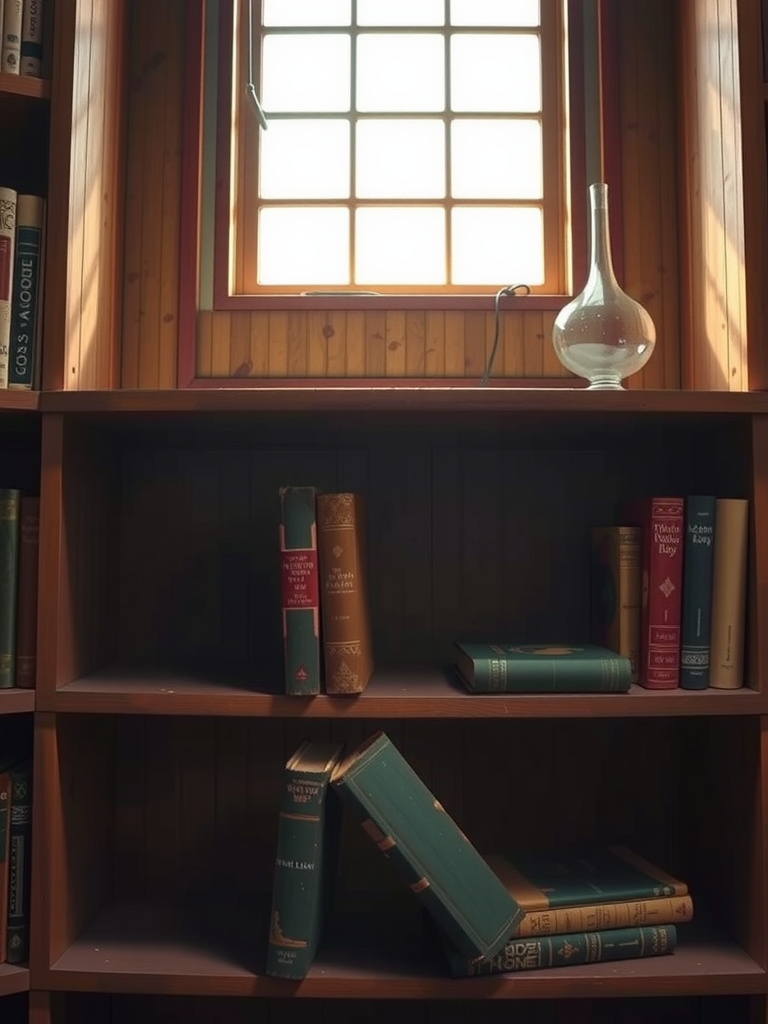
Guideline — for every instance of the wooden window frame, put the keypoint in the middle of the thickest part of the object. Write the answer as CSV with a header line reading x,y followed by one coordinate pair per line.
x,y
192,163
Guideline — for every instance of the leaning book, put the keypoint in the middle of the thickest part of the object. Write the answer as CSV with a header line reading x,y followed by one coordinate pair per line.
x,y
426,846
542,668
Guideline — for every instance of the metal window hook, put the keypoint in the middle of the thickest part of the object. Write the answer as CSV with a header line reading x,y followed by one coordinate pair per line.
x,y
250,88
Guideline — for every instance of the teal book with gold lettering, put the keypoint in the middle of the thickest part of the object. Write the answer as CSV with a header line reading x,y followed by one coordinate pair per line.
x,y
542,668
306,859
426,846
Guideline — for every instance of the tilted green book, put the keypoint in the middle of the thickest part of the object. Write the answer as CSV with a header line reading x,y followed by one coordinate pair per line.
x,y
427,847
9,556
307,847
533,954
300,591
542,668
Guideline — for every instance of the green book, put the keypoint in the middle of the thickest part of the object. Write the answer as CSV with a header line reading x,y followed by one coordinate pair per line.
x,y
413,830
19,862
542,668
533,954
305,863
9,555
300,591
574,877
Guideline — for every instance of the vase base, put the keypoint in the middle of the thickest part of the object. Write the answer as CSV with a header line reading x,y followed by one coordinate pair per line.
x,y
606,385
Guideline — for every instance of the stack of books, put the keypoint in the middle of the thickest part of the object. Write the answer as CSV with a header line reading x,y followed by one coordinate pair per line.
x,y
489,914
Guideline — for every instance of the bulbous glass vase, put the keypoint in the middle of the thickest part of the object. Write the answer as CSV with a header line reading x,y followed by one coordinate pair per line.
x,y
603,334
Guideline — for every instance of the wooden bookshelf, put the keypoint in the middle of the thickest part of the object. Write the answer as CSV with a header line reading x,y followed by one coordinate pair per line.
x,y
12,980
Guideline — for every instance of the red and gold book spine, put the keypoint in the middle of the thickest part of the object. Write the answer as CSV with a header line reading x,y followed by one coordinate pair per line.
x,y
662,587
26,612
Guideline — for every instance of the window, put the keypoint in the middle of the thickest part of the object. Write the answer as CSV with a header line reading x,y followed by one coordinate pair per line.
x,y
413,146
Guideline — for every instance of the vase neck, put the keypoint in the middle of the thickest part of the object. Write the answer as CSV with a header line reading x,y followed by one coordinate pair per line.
x,y
600,261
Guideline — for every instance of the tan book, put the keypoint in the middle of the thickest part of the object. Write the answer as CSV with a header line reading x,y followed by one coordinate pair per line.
x,y
8,203
729,593
344,611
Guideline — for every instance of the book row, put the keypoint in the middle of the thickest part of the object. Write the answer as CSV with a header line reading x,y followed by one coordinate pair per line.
x,y
19,548
487,913
15,857
21,49
669,590
22,221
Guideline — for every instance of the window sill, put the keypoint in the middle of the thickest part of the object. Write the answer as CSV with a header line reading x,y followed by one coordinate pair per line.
x,y
383,302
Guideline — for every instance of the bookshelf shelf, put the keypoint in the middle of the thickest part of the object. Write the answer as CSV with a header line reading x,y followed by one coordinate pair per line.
x,y
13,979
142,949
26,86
421,692
19,401
16,701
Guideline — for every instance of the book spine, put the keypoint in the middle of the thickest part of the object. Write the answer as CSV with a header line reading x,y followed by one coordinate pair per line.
x,y
569,950
552,675
19,864
662,594
428,849
9,551
8,202
5,837
616,587
695,619
301,879
32,39
10,51
26,605
600,916
347,647
300,590
25,291
729,593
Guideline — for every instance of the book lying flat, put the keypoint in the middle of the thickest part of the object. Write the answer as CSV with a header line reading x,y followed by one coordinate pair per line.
x,y
591,890
411,828
542,668
533,954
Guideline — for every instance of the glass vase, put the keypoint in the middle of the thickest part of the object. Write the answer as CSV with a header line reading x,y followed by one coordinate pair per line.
x,y
603,334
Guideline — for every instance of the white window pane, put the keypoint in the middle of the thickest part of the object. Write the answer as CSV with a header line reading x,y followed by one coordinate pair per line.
x,y
400,72
495,159
495,72
400,245
294,13
307,245
493,245
495,12
400,159
400,12
305,160
305,72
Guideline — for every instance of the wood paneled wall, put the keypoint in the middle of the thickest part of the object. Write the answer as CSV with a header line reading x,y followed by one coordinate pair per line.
x,y
395,343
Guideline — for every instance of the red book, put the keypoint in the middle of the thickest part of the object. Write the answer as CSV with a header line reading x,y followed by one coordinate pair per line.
x,y
662,523
26,608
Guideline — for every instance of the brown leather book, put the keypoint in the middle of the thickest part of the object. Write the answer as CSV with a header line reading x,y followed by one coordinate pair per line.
x,y
344,609
26,610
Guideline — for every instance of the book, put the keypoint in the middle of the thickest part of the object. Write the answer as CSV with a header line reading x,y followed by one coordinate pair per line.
x,y
533,954
426,847
9,550
661,519
616,590
26,603
19,862
729,593
542,668
6,763
695,618
587,889
306,858
26,303
32,31
10,49
8,202
300,590
344,607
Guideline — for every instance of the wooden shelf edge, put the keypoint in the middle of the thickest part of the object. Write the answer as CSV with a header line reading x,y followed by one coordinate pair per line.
x,y
401,692
13,979
19,400
26,86
15,701
293,396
